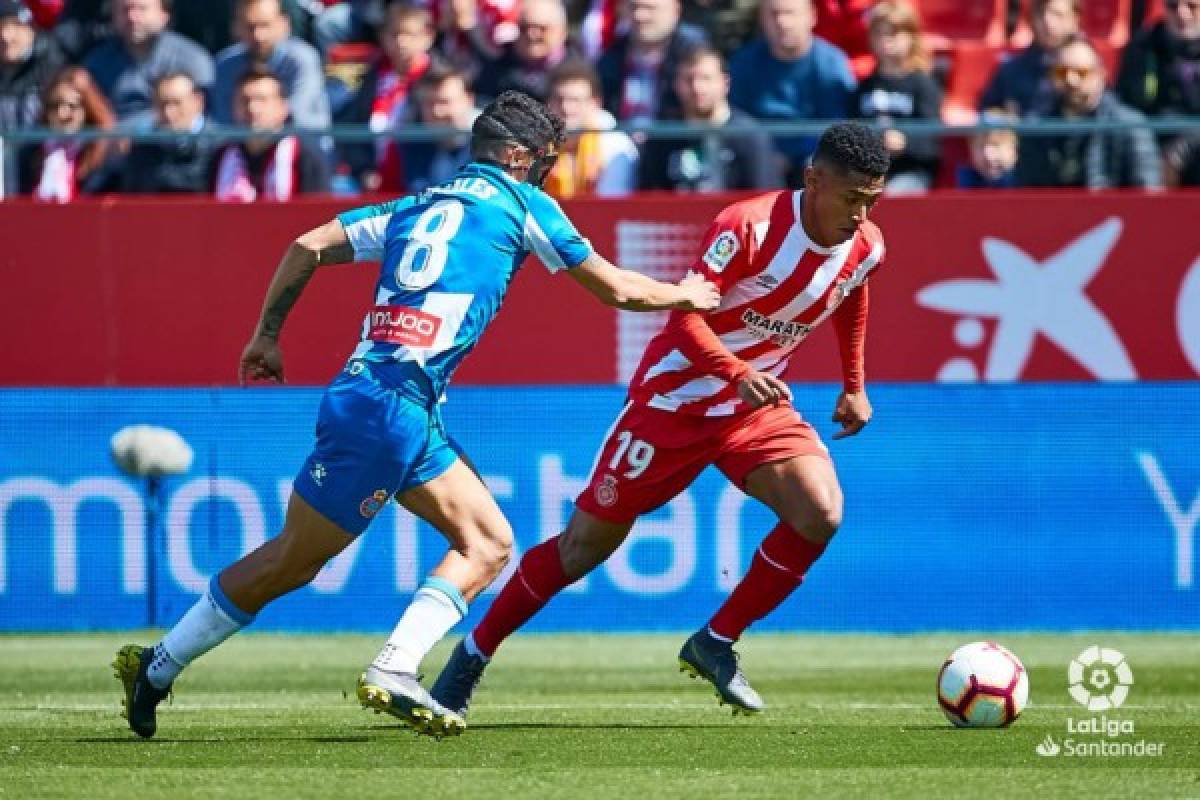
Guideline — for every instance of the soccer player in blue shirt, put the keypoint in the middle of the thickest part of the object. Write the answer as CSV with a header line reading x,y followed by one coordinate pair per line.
x,y
448,255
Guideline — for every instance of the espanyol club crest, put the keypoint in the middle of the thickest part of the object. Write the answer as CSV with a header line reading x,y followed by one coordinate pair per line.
x,y
721,251
373,504
606,492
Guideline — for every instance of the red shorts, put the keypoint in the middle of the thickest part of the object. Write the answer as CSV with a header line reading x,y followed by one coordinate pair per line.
x,y
651,455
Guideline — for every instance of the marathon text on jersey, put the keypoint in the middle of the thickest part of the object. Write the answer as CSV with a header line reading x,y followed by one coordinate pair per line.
x,y
783,332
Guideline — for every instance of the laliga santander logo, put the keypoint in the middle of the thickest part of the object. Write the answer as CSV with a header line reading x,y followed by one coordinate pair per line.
x,y
1029,299
1099,678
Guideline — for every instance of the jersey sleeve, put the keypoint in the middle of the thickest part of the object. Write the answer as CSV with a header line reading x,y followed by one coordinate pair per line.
x,y
551,236
366,228
727,250
850,319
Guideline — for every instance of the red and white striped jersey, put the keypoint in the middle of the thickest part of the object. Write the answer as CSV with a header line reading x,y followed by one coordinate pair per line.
x,y
776,286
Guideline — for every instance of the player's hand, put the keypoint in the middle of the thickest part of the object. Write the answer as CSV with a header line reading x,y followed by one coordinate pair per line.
x,y
261,361
699,293
894,141
763,388
853,411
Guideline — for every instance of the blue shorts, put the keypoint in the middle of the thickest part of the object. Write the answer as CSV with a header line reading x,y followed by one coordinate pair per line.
x,y
379,432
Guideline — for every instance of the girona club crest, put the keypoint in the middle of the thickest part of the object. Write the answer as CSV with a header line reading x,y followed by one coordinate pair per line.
x,y
606,492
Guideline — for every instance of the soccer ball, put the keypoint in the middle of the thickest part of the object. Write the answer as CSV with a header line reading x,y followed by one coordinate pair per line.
x,y
982,685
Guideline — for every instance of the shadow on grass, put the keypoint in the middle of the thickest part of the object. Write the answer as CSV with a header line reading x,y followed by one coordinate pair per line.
x,y
266,737
616,726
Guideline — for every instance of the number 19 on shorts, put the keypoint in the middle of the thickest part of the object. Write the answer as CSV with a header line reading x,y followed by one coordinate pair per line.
x,y
636,454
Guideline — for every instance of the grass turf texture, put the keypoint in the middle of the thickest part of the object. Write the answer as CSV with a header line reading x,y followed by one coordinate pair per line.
x,y
595,716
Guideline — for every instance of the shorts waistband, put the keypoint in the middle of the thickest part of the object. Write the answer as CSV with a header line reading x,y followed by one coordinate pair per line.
x,y
404,377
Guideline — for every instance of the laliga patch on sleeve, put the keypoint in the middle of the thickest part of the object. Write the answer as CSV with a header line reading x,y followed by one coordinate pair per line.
x,y
721,251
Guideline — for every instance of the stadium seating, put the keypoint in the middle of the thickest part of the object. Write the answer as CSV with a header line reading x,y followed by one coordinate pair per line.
x,y
949,22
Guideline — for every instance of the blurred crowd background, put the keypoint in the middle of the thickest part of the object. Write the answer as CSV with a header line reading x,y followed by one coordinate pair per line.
x,y
251,100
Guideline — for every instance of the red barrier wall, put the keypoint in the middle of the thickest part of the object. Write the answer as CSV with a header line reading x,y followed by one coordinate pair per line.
x,y
997,286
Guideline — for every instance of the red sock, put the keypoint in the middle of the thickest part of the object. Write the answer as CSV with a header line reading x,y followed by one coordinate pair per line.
x,y
539,577
777,569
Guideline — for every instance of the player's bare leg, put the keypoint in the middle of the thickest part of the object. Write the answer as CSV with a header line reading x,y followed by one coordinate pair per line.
x,y
544,571
459,505
286,562
804,493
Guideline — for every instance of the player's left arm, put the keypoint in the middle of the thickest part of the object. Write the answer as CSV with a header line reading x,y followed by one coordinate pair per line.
x,y
632,291
853,409
328,244
554,240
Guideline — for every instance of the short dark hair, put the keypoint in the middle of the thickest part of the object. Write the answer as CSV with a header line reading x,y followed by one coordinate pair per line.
x,y
573,70
255,74
517,118
701,52
175,75
438,73
853,147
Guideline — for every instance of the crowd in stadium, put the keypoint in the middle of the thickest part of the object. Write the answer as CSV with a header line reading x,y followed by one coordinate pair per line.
x,y
274,65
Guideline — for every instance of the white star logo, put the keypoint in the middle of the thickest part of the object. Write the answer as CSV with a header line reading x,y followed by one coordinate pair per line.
x,y
1030,298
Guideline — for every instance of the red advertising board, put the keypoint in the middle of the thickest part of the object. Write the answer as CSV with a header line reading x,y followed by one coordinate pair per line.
x,y
991,286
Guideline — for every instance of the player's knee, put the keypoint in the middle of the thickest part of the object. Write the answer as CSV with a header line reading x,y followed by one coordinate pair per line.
x,y
820,519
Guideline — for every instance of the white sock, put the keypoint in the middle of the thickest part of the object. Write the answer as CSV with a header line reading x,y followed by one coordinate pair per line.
x,y
436,608
472,648
212,620
718,636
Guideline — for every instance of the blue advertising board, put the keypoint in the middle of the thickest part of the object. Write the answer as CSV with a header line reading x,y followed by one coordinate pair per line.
x,y
967,507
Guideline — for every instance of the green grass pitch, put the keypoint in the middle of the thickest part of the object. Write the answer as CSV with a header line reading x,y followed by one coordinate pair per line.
x,y
584,716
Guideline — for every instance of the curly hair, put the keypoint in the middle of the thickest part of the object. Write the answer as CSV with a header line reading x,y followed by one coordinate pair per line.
x,y
516,117
853,147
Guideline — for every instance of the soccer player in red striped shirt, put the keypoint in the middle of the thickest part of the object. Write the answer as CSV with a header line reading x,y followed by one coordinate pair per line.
x,y
709,391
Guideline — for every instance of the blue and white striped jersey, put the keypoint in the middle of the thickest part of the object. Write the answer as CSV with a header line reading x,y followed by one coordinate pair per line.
x,y
448,255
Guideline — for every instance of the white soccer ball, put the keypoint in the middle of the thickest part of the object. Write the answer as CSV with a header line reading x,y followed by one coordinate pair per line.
x,y
982,685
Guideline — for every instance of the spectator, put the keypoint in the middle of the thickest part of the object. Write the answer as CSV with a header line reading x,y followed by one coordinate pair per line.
x,y
1022,79
788,74
28,60
638,71
993,155
177,165
594,160
470,28
267,43
1105,159
709,162
901,88
444,101
82,25
843,23
540,46
60,169
1160,68
1182,161
126,64
352,21
267,166
382,100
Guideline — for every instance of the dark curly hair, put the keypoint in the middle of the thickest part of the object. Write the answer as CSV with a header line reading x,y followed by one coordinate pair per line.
x,y
853,147
515,117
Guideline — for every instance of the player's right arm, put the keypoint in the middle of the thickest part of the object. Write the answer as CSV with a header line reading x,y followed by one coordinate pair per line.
x,y
328,244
